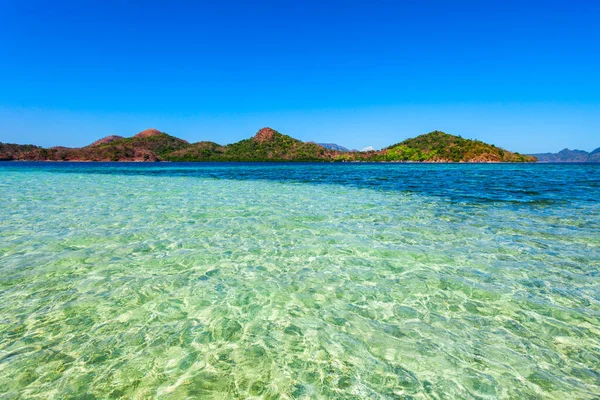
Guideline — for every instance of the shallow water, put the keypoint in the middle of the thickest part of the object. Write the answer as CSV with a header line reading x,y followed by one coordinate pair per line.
x,y
347,281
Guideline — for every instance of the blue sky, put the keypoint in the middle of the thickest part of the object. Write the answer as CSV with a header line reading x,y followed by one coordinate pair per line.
x,y
522,75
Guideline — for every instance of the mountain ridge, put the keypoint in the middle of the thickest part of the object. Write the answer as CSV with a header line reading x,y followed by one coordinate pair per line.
x,y
568,156
266,145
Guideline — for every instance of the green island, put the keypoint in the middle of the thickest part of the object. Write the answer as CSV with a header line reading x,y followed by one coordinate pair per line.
x,y
267,145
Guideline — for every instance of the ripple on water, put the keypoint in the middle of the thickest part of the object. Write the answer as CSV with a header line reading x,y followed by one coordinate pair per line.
x,y
215,282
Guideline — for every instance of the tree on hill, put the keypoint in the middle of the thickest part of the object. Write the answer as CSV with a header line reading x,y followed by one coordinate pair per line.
x,y
442,147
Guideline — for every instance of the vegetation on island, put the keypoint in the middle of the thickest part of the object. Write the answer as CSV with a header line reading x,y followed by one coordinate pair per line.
x,y
11,151
266,145
441,147
148,145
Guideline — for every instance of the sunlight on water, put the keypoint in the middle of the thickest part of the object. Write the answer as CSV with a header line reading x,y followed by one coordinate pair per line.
x,y
302,281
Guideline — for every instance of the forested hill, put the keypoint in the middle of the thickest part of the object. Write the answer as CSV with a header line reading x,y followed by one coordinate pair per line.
x,y
438,146
266,145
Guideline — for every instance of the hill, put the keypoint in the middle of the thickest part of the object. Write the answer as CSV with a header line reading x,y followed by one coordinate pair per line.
x,y
11,151
266,145
201,151
270,145
438,146
567,155
148,145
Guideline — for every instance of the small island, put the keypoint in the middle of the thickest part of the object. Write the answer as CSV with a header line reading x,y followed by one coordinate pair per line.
x,y
153,145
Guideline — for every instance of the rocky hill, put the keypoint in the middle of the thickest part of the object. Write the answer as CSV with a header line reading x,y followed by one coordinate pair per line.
x,y
266,145
567,156
148,145
11,151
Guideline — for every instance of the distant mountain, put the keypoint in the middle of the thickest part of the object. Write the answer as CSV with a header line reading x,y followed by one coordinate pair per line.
x,y
333,146
266,145
567,156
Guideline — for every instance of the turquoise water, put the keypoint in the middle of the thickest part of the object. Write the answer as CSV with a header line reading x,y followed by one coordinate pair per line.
x,y
299,281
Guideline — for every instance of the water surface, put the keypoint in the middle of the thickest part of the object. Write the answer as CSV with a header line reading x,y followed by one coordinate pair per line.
x,y
350,281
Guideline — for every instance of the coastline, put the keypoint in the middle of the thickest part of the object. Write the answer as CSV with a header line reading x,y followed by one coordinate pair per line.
x,y
267,145
292,162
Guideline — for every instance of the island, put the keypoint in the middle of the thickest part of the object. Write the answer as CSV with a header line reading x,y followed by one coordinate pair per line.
x,y
267,144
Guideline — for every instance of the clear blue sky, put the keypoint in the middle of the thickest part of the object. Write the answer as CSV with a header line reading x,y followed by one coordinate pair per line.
x,y
524,75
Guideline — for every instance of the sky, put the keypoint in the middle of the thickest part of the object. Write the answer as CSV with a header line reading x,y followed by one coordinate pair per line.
x,y
523,75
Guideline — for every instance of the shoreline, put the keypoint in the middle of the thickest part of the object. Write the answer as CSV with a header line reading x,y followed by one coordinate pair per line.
x,y
293,162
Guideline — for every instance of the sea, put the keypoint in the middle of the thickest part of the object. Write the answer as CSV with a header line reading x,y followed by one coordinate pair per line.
x,y
299,281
